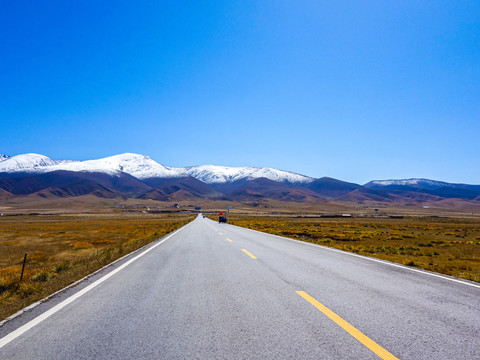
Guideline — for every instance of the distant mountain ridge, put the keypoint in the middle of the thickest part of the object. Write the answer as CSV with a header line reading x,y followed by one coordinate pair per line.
x,y
139,176
432,187
143,167
213,174
415,182
139,166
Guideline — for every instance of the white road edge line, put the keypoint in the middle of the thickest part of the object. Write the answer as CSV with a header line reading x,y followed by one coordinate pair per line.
x,y
385,262
24,328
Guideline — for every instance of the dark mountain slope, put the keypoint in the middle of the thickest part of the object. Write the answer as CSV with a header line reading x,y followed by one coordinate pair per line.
x,y
264,188
331,188
67,183
431,187
189,184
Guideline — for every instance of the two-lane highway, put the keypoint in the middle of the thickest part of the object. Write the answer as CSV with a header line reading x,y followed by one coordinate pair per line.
x,y
216,291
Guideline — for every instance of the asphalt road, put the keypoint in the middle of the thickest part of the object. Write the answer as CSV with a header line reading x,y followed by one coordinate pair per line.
x,y
216,291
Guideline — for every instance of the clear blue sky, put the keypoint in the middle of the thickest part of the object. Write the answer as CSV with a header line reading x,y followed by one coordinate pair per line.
x,y
356,90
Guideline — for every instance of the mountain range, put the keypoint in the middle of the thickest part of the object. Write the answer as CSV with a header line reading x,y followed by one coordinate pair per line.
x,y
138,176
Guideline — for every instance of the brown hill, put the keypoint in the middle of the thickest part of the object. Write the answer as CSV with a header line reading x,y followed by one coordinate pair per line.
x,y
4,195
363,194
72,191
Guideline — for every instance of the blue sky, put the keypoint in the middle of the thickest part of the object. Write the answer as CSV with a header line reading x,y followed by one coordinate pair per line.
x,y
355,90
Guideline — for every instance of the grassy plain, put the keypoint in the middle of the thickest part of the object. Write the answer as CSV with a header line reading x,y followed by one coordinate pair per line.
x,y
64,248
445,245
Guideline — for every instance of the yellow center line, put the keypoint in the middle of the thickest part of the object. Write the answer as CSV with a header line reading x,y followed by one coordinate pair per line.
x,y
357,334
220,233
229,240
249,254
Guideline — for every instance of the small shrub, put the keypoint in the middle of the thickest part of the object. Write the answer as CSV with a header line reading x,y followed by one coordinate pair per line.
x,y
60,268
42,276
107,253
27,289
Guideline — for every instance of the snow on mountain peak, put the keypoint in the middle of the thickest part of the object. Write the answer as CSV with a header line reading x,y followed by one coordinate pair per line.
x,y
409,182
139,166
143,167
213,174
4,157
25,163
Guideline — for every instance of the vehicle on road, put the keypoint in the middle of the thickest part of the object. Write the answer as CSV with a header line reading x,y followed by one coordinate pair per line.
x,y
222,219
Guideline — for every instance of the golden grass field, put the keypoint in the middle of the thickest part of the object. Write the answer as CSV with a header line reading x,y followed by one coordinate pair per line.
x,y
64,248
445,245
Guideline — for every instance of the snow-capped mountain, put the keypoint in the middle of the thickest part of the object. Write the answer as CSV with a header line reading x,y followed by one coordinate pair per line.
x,y
139,166
212,174
31,163
422,183
3,157
143,167
440,189
139,176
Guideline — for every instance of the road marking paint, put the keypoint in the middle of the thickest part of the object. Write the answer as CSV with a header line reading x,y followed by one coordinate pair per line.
x,y
24,328
357,334
229,240
249,254
220,233
384,262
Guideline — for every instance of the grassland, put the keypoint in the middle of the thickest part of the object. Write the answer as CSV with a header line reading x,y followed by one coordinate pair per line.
x,y
63,249
445,245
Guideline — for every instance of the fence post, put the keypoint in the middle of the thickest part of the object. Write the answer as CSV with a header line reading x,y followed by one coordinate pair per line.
x,y
23,267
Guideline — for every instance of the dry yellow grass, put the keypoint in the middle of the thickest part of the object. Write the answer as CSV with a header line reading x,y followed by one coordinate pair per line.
x,y
63,249
445,245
